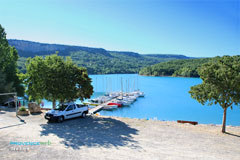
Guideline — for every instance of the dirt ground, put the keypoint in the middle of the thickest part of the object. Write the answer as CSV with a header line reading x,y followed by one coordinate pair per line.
x,y
97,137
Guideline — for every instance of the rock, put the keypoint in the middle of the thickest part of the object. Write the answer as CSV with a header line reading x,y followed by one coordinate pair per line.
x,y
34,108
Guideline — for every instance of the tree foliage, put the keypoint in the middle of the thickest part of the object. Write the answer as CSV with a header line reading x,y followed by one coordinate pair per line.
x,y
96,60
56,79
114,63
176,68
10,82
220,84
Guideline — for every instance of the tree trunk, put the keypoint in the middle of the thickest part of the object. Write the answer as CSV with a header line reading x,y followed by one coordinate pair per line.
x,y
224,120
54,104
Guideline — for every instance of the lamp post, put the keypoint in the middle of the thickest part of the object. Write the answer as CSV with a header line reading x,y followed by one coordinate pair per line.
x,y
15,101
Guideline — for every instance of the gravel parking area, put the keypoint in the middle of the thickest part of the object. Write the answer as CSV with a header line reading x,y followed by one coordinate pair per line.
x,y
98,137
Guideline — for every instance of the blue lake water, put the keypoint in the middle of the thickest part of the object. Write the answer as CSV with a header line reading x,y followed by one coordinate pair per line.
x,y
166,98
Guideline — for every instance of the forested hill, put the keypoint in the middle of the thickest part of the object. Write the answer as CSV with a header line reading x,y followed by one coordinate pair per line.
x,y
96,60
31,49
181,68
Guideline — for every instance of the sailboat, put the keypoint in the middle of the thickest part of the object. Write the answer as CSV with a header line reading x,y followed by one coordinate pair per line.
x,y
110,107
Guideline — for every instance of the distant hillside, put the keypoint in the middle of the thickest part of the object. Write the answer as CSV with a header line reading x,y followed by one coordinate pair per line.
x,y
96,60
168,56
180,68
31,49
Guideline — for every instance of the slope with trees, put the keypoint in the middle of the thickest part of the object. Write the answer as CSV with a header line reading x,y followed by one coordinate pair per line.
x,y
96,60
179,68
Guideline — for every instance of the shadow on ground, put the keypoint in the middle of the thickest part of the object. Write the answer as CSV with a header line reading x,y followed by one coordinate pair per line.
x,y
37,113
14,125
7,109
92,131
231,134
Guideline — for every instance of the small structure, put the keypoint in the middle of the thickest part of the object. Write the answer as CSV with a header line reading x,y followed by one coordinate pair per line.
x,y
10,103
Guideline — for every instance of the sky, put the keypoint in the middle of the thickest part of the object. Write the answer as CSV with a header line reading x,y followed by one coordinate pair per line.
x,y
196,28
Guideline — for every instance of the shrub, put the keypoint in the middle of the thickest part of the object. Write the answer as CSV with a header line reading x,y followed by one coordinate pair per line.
x,y
22,108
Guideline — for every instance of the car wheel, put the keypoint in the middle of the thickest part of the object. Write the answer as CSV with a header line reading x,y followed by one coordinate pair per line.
x,y
60,119
84,115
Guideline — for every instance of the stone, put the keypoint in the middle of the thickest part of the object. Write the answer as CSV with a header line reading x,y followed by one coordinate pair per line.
x,y
34,108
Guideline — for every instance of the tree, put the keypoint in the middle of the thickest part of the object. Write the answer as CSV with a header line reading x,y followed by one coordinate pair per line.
x,y
220,84
8,66
4,87
55,79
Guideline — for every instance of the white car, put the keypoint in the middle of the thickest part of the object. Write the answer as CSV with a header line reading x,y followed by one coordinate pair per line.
x,y
66,111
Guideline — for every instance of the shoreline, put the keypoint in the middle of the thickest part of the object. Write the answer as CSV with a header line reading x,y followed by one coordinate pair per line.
x,y
154,119
151,119
173,121
141,75
166,76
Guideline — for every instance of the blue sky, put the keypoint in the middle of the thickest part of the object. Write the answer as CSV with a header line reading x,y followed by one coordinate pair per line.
x,y
197,28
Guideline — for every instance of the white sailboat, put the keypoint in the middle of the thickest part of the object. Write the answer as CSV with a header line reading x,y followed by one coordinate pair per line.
x,y
110,107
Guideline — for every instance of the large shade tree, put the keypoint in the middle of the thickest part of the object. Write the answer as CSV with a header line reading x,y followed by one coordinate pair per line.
x,y
9,79
55,79
220,84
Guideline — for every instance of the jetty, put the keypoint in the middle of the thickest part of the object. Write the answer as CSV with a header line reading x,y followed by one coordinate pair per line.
x,y
100,106
97,108
123,98
116,97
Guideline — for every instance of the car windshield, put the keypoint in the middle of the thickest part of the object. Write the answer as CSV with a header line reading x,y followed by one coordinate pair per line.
x,y
61,107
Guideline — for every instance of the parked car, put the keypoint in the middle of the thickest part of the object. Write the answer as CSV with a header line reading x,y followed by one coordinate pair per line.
x,y
66,111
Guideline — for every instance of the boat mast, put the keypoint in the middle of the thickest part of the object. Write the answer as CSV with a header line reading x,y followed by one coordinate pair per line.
x,y
134,85
103,84
121,87
137,84
110,84
106,85
128,85
96,84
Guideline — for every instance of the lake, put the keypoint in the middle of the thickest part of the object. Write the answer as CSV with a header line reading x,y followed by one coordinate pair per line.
x,y
166,98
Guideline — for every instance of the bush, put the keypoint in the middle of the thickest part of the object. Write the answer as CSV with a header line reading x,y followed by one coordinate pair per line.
x,y
22,108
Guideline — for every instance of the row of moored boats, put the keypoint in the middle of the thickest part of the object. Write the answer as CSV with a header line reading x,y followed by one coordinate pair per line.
x,y
115,100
